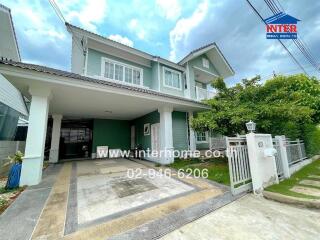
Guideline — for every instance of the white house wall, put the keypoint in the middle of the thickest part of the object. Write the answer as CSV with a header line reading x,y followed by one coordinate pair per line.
x,y
11,97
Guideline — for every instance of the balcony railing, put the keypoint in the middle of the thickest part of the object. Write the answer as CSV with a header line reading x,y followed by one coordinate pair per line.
x,y
203,94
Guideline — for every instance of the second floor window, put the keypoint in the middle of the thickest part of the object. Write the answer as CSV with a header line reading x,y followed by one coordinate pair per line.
x,y
172,78
121,72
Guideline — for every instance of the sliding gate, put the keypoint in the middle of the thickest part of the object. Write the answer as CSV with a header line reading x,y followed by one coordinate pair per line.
x,y
239,168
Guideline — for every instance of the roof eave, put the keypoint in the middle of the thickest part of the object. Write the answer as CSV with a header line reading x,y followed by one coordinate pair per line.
x,y
193,55
72,29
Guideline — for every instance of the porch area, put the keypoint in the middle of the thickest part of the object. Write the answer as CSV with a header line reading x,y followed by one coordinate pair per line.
x,y
98,199
85,113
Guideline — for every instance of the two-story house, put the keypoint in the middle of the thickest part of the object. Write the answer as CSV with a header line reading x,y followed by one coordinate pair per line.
x,y
114,96
12,104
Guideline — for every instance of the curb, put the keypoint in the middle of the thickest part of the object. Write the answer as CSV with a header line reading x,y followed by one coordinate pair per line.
x,y
310,203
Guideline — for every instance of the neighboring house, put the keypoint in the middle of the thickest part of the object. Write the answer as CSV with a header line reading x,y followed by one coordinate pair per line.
x,y
115,96
11,101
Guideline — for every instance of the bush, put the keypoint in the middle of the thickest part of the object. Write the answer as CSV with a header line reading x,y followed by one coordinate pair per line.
x,y
16,158
312,139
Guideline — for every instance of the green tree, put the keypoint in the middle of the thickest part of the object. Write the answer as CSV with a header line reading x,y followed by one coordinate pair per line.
x,y
282,105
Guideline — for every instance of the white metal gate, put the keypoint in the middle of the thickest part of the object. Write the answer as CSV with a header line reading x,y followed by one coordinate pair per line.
x,y
276,145
239,168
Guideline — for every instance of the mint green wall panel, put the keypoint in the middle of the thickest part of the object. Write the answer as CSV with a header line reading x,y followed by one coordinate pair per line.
x,y
198,63
155,83
145,141
180,131
94,66
112,133
202,146
192,83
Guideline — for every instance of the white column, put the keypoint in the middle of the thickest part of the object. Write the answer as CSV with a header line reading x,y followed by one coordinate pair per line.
x,y
192,136
166,139
31,172
55,138
262,161
284,156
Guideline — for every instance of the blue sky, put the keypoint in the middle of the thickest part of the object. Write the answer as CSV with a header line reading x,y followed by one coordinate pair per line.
x,y
168,28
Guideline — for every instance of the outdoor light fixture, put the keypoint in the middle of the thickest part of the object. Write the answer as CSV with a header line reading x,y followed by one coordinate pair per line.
x,y
251,126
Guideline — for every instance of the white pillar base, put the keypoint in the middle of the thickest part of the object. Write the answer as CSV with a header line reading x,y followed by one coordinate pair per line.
x,y
31,172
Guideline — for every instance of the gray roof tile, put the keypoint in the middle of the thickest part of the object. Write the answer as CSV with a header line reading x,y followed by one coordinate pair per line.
x,y
61,73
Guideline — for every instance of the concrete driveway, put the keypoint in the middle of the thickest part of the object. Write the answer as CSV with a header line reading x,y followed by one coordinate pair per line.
x,y
251,218
96,199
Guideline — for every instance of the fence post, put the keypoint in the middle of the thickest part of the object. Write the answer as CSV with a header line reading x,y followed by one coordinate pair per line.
x,y
284,156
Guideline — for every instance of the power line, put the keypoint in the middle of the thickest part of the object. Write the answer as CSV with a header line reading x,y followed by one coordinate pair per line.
x,y
299,44
294,59
57,10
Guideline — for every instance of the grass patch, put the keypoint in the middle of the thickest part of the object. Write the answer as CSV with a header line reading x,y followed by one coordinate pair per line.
x,y
285,186
218,170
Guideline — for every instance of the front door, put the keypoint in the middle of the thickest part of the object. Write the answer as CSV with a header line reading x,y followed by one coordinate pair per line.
x,y
75,139
155,137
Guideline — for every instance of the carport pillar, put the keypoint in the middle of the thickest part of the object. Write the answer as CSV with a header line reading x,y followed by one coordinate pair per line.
x,y
31,172
192,137
55,139
166,139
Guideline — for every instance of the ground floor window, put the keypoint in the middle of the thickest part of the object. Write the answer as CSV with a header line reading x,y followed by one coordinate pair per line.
x,y
202,136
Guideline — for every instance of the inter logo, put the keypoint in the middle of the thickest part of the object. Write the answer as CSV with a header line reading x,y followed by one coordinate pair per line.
x,y
281,26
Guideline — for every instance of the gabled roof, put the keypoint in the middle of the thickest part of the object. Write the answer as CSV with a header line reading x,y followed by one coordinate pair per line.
x,y
281,18
13,32
61,73
180,65
205,49
71,28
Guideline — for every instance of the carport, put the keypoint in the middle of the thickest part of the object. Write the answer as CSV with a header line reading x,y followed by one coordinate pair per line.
x,y
67,96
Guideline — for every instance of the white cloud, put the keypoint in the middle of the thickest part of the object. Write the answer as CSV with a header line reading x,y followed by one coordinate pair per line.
x,y
133,23
38,25
180,33
137,28
89,13
121,39
171,9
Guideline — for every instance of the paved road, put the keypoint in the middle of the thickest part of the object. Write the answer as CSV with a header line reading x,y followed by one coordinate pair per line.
x,y
253,217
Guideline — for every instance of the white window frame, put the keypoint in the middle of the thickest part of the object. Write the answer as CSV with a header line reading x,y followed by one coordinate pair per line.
x,y
206,134
164,78
124,65
205,63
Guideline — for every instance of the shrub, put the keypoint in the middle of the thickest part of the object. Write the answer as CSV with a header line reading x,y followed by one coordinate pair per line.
x,y
312,139
17,157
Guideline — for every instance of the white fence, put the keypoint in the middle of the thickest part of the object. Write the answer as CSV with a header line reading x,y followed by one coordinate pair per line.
x,y
290,156
8,148
295,151
239,167
278,158
217,143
